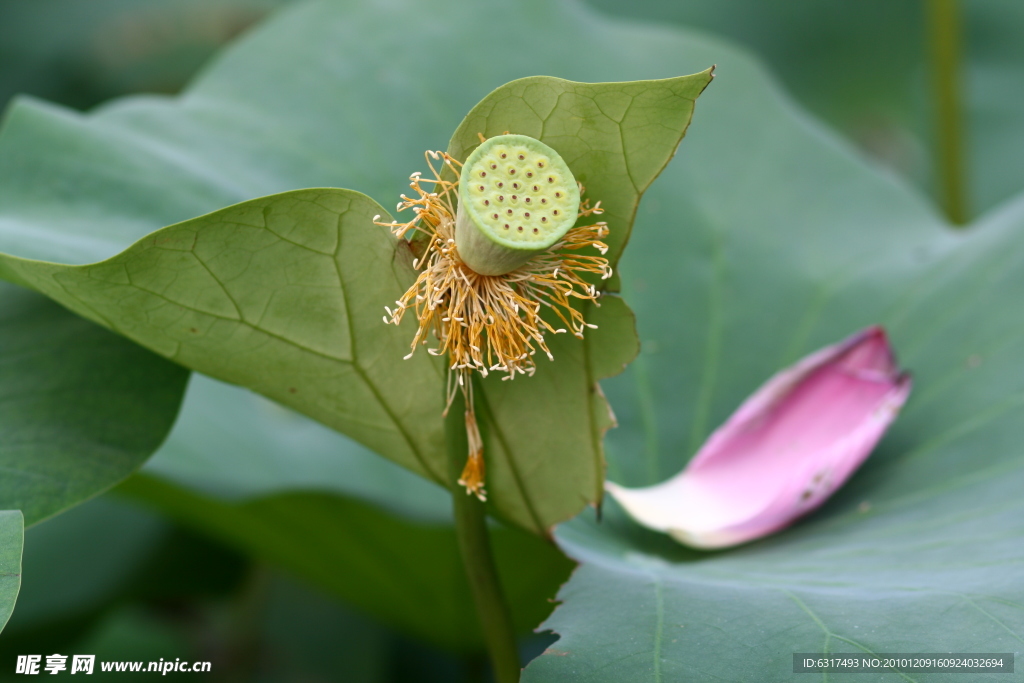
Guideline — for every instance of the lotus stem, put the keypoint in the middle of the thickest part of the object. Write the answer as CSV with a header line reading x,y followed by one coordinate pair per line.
x,y
944,39
477,558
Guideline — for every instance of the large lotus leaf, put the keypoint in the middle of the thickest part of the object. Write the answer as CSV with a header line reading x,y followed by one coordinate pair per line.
x,y
258,299
12,538
860,66
105,48
864,68
81,408
767,240
300,496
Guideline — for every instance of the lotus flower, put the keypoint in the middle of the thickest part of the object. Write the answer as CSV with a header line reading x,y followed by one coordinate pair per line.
x,y
784,452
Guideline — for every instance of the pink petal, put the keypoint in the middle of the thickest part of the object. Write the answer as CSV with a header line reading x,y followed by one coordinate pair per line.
x,y
784,452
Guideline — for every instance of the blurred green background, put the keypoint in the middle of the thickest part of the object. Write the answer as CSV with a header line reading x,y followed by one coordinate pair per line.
x,y
119,580
861,67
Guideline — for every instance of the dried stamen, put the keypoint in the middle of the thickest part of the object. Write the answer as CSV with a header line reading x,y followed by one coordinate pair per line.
x,y
490,323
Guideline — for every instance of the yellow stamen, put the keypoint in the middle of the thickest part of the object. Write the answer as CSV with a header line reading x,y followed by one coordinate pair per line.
x,y
473,474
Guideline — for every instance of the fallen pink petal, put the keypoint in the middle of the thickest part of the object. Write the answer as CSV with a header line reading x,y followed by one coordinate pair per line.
x,y
789,447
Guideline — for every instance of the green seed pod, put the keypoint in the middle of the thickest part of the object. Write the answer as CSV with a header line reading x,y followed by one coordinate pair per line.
x,y
517,197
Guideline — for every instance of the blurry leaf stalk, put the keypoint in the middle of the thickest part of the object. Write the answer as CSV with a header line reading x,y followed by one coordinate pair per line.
x,y
944,41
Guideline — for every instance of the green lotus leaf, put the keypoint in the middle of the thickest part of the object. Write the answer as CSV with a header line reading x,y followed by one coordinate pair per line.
x,y
283,294
12,538
767,240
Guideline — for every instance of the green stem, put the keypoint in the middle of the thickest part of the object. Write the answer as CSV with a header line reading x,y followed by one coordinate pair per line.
x,y
944,39
246,613
475,547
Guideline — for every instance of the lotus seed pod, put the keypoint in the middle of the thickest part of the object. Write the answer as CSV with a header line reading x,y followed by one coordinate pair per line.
x,y
517,198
